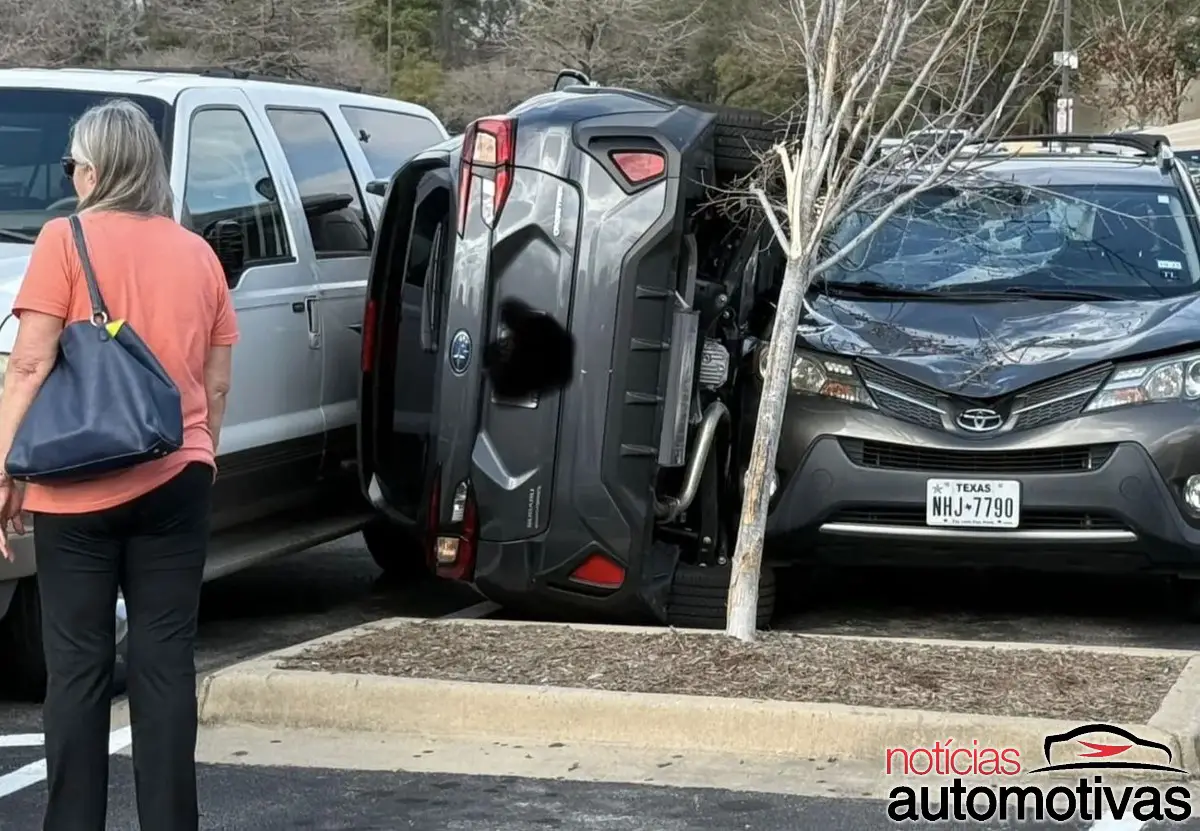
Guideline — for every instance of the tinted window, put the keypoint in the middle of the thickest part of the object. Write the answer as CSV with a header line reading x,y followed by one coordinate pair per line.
x,y
227,179
389,139
1128,241
332,204
35,130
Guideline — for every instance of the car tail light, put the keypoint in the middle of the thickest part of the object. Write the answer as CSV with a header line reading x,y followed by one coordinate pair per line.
x,y
368,337
599,571
639,166
489,144
455,553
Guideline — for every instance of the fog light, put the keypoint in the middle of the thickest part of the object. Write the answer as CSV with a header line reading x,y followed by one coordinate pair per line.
x,y
447,549
772,483
1191,492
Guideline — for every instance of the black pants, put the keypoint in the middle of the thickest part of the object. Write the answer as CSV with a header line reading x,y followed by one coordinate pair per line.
x,y
154,549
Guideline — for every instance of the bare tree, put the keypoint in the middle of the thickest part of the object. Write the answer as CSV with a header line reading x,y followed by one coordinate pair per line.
x,y
68,32
1140,58
492,87
870,69
638,43
308,39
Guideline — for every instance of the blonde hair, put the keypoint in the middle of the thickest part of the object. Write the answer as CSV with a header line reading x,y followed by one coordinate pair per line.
x,y
118,142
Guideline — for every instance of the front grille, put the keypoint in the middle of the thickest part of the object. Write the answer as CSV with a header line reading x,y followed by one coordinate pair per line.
x,y
1059,400
885,456
1031,520
1047,403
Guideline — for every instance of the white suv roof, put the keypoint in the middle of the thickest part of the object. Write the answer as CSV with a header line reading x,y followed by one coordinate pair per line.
x,y
167,84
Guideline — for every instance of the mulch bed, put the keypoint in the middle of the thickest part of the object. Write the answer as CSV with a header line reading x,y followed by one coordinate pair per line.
x,y
779,666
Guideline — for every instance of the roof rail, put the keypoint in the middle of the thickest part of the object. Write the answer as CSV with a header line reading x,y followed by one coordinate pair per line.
x,y
1149,144
220,72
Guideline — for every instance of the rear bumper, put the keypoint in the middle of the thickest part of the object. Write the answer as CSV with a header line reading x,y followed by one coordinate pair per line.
x,y
1120,516
514,575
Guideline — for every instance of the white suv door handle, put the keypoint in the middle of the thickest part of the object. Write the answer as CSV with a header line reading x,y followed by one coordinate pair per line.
x,y
314,322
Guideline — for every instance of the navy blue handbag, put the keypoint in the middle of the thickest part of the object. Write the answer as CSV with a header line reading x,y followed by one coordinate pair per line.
x,y
107,405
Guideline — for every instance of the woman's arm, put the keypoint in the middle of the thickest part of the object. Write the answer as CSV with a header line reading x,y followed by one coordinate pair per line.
x,y
217,371
33,356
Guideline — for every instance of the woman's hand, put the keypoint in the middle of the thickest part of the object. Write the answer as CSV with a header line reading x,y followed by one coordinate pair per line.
x,y
12,495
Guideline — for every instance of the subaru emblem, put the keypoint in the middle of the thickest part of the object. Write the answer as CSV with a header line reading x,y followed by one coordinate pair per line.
x,y
979,420
460,352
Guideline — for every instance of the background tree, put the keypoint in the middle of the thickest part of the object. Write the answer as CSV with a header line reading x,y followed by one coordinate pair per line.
x,y
1140,58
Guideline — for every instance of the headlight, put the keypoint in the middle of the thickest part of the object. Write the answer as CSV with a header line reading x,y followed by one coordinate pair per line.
x,y
1170,379
820,375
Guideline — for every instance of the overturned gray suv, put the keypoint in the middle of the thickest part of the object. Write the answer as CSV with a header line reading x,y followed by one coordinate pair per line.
x,y
1006,374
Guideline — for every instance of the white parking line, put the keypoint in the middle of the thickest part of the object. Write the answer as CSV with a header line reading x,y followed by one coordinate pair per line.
x,y
23,740
35,772
118,740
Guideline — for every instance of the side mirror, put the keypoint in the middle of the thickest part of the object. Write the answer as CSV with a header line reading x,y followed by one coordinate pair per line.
x,y
378,187
570,78
228,239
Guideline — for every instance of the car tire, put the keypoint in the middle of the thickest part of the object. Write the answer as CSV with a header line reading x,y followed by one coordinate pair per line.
x,y
21,644
699,597
396,550
741,137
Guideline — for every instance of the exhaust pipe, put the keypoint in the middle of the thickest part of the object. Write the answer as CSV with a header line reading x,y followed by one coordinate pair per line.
x,y
672,507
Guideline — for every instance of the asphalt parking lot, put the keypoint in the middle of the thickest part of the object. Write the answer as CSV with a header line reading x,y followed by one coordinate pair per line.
x,y
336,586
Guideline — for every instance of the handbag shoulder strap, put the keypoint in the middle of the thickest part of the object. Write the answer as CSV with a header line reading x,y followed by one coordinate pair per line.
x,y
99,310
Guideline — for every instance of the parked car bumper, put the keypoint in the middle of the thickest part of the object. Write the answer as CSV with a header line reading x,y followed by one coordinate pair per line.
x,y
853,490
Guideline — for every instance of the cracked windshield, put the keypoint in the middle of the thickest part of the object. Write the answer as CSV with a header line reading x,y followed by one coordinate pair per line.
x,y
1123,242
35,129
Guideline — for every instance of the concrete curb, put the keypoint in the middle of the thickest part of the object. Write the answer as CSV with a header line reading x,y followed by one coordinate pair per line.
x,y
258,693
1180,716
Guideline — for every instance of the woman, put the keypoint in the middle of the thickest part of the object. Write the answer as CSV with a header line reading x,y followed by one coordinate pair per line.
x,y
144,529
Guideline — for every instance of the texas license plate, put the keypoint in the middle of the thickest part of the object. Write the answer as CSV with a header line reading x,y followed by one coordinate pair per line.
x,y
973,503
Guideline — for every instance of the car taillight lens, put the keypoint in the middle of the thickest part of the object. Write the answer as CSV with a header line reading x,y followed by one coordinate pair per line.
x,y
639,166
489,145
368,337
455,552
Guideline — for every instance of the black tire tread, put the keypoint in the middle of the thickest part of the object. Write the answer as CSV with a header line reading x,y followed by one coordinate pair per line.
x,y
699,595
742,136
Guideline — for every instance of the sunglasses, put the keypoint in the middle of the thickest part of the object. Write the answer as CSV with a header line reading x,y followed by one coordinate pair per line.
x,y
68,166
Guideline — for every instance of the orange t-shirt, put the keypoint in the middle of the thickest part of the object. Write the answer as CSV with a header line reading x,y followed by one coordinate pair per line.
x,y
166,283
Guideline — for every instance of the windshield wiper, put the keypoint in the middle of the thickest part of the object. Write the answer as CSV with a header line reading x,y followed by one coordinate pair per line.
x,y
15,236
1036,293
874,289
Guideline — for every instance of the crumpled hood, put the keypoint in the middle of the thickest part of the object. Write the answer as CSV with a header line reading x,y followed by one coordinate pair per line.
x,y
982,350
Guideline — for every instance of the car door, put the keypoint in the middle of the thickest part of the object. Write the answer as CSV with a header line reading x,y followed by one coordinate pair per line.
x,y
232,188
387,139
340,232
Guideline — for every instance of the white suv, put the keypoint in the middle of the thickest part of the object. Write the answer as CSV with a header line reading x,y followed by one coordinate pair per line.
x,y
275,175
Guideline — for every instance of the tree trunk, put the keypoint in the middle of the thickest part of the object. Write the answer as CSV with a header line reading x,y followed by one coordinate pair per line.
x,y
741,619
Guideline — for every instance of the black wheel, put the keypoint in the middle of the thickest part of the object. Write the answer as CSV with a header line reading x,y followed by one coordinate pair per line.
x,y
741,137
396,550
21,644
699,595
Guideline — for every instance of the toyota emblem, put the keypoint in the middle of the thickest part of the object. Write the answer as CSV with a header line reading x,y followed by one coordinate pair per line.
x,y
979,421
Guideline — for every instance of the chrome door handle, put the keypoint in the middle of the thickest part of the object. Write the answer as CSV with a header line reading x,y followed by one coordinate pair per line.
x,y
314,322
